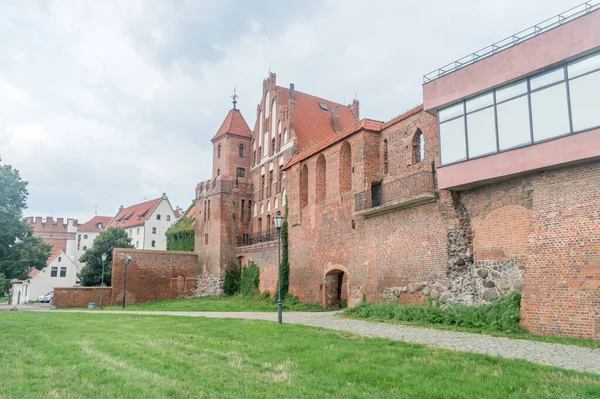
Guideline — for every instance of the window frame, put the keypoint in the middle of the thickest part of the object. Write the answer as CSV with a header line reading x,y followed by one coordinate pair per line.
x,y
63,269
564,65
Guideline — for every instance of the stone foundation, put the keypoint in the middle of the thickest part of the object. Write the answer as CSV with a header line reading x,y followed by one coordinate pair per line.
x,y
209,285
482,282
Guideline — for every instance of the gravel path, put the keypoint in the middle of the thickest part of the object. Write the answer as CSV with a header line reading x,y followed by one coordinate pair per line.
x,y
565,356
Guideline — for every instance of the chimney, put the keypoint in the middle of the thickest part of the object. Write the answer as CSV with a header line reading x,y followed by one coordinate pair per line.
x,y
354,107
335,118
121,208
292,91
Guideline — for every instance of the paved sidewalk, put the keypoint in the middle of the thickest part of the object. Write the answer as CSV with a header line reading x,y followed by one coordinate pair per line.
x,y
558,355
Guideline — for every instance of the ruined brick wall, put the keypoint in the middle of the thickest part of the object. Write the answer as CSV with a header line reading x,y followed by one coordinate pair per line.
x,y
80,297
539,233
328,237
153,275
561,294
265,257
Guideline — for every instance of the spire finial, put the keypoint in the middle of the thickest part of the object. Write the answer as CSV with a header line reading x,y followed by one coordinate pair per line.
x,y
234,97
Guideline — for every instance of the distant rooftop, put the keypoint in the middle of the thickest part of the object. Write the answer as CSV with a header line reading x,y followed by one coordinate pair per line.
x,y
544,26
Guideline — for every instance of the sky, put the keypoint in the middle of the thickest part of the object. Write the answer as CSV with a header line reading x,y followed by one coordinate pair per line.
x,y
108,103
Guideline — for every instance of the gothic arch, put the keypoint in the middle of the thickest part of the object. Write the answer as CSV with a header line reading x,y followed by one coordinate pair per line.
x,y
418,147
321,179
345,168
304,186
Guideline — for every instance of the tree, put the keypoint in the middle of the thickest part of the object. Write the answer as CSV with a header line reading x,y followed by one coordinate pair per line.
x,y
3,284
27,252
19,249
91,273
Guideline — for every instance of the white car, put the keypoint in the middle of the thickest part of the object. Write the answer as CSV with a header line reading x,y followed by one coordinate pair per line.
x,y
46,298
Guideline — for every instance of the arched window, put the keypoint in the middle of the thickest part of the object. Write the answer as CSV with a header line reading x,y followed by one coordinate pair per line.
x,y
283,197
321,179
219,151
154,230
385,157
260,224
241,150
157,217
269,223
267,104
260,127
418,147
279,137
273,118
345,172
285,136
304,186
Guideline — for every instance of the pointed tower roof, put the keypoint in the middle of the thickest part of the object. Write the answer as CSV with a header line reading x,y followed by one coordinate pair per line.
x,y
234,123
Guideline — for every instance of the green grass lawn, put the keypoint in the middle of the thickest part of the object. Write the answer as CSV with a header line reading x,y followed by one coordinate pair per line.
x,y
223,304
92,355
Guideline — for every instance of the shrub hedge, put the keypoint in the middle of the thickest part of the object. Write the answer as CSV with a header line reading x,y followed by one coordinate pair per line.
x,y
501,315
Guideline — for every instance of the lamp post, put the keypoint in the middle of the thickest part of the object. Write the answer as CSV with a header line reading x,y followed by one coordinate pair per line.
x,y
278,219
126,260
104,256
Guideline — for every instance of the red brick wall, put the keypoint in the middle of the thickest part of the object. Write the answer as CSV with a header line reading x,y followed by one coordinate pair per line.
x,y
562,276
153,275
265,257
548,223
80,297
383,251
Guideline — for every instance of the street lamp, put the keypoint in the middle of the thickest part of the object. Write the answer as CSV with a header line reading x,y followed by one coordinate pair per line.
x,y
104,256
126,260
278,219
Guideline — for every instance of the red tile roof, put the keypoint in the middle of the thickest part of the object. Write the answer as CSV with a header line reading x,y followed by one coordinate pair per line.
x,y
363,124
54,252
191,213
234,123
33,272
311,123
134,215
177,213
91,225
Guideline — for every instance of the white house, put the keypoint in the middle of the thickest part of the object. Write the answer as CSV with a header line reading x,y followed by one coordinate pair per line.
x,y
60,271
87,232
147,222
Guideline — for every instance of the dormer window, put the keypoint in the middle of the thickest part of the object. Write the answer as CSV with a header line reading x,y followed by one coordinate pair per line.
x,y
158,216
99,225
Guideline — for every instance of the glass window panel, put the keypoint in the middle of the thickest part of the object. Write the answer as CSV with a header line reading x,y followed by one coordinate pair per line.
x,y
585,101
513,123
550,112
584,65
480,102
452,137
547,78
481,129
450,112
511,91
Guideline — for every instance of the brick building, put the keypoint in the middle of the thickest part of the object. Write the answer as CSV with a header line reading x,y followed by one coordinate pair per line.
x,y
490,187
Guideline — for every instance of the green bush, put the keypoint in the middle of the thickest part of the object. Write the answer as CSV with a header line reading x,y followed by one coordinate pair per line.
x,y
249,279
231,284
501,315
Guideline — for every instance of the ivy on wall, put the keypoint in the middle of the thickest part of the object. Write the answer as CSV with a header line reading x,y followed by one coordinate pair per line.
x,y
180,236
285,265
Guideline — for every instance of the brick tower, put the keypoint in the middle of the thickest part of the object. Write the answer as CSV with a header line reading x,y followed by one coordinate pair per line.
x,y
224,202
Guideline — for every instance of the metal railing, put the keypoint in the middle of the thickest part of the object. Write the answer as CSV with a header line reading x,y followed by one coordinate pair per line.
x,y
256,238
394,191
517,38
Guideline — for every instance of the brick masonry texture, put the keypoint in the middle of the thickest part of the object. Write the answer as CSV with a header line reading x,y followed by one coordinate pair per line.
x,y
80,297
154,275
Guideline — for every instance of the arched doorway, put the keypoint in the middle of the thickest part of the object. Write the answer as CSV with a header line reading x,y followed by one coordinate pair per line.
x,y
336,289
